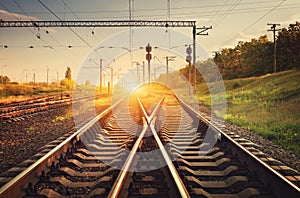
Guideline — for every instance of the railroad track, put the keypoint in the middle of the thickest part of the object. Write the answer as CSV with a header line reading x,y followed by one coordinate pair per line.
x,y
18,110
15,110
143,147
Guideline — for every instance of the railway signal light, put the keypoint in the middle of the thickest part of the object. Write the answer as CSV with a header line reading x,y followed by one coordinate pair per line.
x,y
148,48
148,58
189,59
189,50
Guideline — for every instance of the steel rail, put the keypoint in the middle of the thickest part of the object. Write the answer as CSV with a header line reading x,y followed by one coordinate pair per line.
x,y
16,187
178,181
117,187
25,104
286,187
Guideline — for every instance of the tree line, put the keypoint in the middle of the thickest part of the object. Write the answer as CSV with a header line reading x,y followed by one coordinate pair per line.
x,y
67,82
255,57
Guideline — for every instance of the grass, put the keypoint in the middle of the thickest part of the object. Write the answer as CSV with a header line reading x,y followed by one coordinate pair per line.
x,y
267,105
14,90
31,128
102,102
59,118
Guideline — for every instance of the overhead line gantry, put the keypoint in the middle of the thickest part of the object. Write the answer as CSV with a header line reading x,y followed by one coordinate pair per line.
x,y
97,23
118,23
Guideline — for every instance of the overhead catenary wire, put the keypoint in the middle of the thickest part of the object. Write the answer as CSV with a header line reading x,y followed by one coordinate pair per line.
x,y
68,27
69,8
213,16
46,45
235,11
227,12
159,9
255,22
13,15
197,14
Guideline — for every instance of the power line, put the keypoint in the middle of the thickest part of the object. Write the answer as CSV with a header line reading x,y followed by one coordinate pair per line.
x,y
236,11
20,19
228,11
233,13
186,14
69,9
42,46
20,8
202,14
38,36
59,43
159,9
218,5
213,16
68,27
73,13
255,22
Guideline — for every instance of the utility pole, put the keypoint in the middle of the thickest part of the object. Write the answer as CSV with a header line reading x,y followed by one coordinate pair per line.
x,y
111,82
148,58
111,79
137,73
2,76
202,32
189,59
131,11
34,78
108,88
47,75
104,79
138,79
143,71
100,84
169,58
100,73
273,29
57,76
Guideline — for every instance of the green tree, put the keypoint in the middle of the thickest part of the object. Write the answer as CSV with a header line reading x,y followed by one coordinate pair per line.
x,y
246,59
288,47
68,74
68,83
4,80
255,57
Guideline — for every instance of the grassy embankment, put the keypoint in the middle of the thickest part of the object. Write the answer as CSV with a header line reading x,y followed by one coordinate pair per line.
x,y
267,105
25,90
20,92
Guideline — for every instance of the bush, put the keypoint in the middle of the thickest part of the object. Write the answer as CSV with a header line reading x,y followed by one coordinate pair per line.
x,y
67,83
15,90
236,85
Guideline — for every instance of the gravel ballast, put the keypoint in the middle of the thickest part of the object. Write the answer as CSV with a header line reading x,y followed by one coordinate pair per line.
x,y
21,139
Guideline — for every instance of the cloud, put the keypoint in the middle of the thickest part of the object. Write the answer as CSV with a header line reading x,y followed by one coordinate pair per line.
x,y
10,16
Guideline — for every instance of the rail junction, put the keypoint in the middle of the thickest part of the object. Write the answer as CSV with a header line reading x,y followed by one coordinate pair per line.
x,y
153,145
150,145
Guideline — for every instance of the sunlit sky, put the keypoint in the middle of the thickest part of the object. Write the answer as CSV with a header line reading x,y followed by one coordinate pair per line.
x,y
232,21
